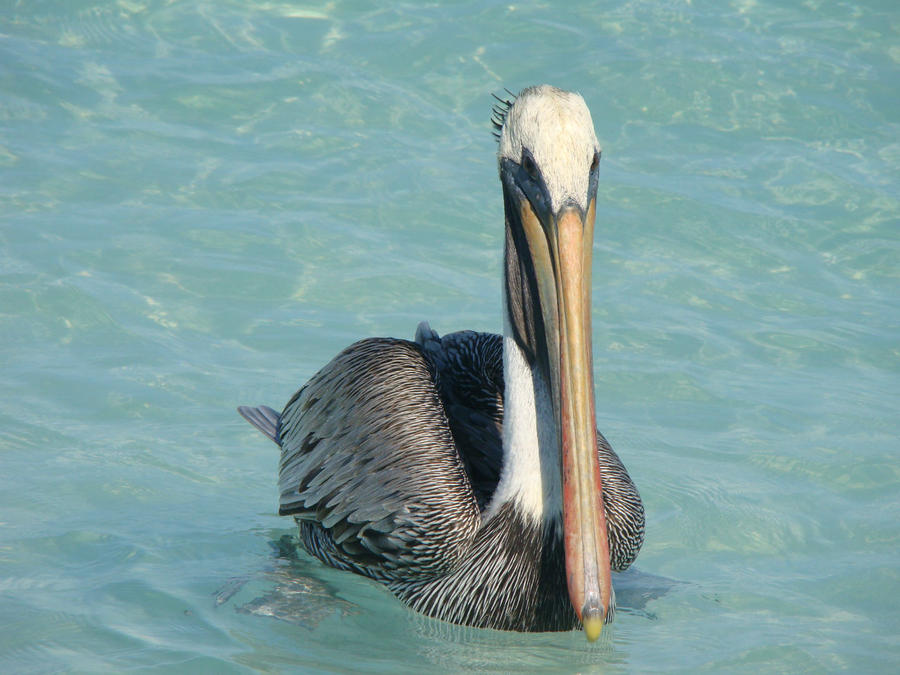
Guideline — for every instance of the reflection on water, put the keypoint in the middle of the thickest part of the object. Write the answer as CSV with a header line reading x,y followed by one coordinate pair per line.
x,y
292,595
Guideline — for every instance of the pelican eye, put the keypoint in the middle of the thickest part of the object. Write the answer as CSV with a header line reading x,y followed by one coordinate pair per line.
x,y
529,165
595,161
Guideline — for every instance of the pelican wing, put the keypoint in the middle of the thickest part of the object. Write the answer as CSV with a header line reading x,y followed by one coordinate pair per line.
x,y
369,466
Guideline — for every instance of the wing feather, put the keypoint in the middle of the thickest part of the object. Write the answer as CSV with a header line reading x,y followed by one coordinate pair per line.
x,y
369,465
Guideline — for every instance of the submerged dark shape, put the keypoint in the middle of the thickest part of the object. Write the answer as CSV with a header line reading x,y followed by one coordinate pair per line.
x,y
465,472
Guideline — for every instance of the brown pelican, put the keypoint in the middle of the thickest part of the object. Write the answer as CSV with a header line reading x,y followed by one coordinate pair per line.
x,y
466,472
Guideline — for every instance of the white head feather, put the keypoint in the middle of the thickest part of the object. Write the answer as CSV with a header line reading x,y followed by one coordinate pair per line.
x,y
556,127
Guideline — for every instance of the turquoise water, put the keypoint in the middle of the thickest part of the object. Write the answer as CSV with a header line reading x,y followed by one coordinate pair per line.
x,y
202,202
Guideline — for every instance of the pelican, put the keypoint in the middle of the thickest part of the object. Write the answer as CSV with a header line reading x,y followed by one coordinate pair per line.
x,y
466,472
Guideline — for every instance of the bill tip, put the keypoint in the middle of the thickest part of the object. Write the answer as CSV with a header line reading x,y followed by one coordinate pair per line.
x,y
593,626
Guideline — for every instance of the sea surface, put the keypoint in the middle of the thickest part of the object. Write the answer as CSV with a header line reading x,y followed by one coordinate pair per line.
x,y
202,202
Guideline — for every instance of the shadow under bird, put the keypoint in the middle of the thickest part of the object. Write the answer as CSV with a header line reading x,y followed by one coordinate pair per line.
x,y
466,472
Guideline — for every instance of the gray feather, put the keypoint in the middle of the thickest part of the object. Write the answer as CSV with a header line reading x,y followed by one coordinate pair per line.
x,y
368,457
263,418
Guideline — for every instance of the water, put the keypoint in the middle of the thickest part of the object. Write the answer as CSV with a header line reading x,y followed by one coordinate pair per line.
x,y
201,203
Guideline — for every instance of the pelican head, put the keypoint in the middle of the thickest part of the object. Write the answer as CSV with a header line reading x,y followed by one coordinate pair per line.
x,y
548,160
